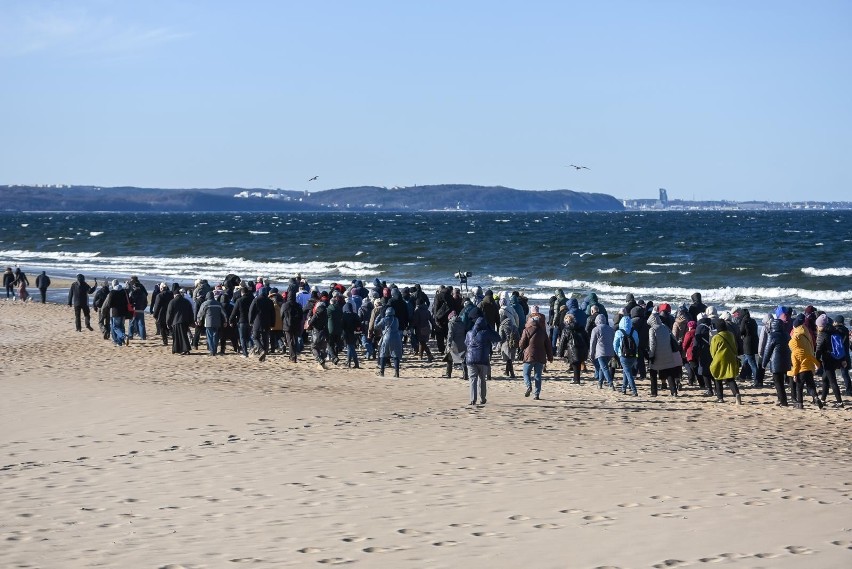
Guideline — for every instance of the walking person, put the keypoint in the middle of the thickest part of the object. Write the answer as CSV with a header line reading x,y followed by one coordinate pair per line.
x,y
78,297
843,332
210,315
625,345
509,338
318,324
725,364
261,317
161,304
42,282
477,358
390,345
537,350
829,351
139,299
292,316
664,355
117,304
573,346
240,317
750,341
601,350
9,283
777,358
456,335
422,324
179,316
350,325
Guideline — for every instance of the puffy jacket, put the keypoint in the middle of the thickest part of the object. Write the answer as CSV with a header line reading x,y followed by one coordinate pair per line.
x,y
802,352
262,313
749,334
335,318
78,294
572,343
291,315
478,343
822,350
723,349
319,319
138,296
625,327
210,313
116,302
422,322
580,317
391,342
349,323
602,338
535,343
688,345
455,339
776,353
660,341
490,311
240,313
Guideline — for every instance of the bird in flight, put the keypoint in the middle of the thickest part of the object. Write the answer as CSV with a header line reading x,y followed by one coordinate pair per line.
x,y
578,167
314,178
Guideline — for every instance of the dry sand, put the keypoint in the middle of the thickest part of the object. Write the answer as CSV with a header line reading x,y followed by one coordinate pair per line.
x,y
132,457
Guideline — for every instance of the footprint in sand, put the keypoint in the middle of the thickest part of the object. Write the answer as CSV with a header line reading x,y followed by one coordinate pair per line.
x,y
664,515
766,555
354,539
445,543
547,526
799,550
461,525
754,503
519,518
669,563
336,561
572,511
774,490
629,505
379,549
592,518
661,497
841,543
412,532
484,534
690,507
728,494
309,550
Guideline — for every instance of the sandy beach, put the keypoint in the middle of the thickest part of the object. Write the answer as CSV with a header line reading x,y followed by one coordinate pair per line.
x,y
133,457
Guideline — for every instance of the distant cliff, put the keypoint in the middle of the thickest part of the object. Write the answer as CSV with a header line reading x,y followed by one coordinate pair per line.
x,y
366,198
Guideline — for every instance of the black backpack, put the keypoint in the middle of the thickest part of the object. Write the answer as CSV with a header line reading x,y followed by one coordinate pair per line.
x,y
629,349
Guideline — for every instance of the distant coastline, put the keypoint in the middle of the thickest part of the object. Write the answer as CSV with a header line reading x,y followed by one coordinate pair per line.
x,y
414,199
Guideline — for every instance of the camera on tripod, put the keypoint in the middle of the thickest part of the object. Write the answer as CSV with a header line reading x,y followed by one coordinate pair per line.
x,y
462,276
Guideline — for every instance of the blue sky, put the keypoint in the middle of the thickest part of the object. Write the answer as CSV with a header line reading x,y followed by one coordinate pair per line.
x,y
716,100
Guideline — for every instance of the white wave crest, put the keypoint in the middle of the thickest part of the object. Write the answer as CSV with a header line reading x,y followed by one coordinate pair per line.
x,y
830,272
609,271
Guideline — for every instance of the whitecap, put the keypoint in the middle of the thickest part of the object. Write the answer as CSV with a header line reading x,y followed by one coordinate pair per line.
x,y
95,233
609,271
830,272
663,264
25,225
773,275
359,253
253,232
499,279
223,231
644,272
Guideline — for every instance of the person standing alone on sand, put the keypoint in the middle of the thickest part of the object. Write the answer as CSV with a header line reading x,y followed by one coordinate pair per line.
x,y
78,297
42,282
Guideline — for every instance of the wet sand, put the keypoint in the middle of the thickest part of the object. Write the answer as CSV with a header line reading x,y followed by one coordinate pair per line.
x,y
133,457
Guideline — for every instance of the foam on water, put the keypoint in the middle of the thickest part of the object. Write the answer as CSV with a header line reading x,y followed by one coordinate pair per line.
x,y
830,272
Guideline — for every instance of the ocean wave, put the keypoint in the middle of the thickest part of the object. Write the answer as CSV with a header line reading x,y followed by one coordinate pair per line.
x,y
830,272
186,267
609,271
715,295
499,279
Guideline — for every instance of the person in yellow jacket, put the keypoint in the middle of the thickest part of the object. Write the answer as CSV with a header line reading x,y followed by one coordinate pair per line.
x,y
725,365
804,363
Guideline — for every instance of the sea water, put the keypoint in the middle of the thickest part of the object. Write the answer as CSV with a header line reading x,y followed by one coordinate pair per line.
x,y
754,260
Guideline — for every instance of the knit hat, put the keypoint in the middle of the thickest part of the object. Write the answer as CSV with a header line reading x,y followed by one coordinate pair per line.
x,y
534,309
663,307
691,324
799,320
823,321
839,319
725,315
710,312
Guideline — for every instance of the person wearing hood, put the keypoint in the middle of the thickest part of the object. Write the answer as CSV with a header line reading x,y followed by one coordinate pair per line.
x,y
631,303
42,282
97,302
518,307
422,324
507,307
211,317
830,363
600,349
580,316
688,347
664,355
679,327
441,308
117,303
239,317
703,358
590,301
9,283
292,317
625,346
490,311
455,344
763,337
477,358
318,323
841,329
573,346
261,317
537,350
161,303
138,295
335,327
776,357
390,345
750,339
509,338
364,315
803,363
697,308
179,316
350,324
640,324
725,365
555,320
78,297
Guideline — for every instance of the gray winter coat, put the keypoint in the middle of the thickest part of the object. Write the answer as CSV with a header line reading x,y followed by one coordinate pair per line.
x,y
600,342
660,345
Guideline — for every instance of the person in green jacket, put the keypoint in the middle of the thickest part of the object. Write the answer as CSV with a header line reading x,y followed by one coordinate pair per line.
x,y
725,365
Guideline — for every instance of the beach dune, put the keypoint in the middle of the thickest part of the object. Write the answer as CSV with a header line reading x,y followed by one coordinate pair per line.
x,y
133,457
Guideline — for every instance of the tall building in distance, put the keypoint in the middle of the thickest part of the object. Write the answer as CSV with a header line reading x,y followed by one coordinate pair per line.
x,y
664,198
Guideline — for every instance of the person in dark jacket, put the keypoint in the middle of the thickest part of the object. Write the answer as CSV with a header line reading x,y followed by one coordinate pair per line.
x,y
179,317
537,350
749,336
640,324
240,317
701,351
292,316
42,282
830,364
350,325
139,298
211,316
490,311
103,317
261,317
390,344
697,308
441,308
117,304
9,283
573,345
477,358
776,358
455,344
840,328
78,297
364,314
318,324
161,304
422,323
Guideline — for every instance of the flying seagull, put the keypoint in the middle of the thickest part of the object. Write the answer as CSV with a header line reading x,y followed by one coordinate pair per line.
x,y
314,178
578,167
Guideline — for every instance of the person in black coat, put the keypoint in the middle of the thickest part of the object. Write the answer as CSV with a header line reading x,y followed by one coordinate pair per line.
x,y
78,297
292,317
161,304
840,328
261,317
179,317
318,323
42,282
776,357
750,339
240,317
697,308
830,364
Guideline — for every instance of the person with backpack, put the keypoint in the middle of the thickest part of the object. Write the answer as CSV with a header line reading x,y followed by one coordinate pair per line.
x,y
117,303
573,346
664,355
477,358
843,331
776,358
829,351
509,338
537,350
625,344
601,350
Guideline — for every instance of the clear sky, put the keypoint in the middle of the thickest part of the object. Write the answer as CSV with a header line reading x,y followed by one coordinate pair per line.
x,y
711,99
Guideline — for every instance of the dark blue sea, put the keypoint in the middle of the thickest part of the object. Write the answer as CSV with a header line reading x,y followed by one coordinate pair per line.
x,y
744,259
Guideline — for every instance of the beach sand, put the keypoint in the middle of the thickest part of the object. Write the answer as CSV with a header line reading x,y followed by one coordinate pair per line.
x,y
133,457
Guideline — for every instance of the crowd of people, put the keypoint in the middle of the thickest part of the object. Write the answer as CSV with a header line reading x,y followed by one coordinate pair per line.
x,y
695,344
16,283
